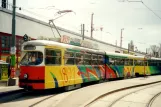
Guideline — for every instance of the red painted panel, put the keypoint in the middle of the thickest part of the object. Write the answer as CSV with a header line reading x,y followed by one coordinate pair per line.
x,y
34,72
33,85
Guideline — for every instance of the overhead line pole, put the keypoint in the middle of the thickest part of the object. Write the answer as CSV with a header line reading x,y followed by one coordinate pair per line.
x,y
92,25
13,46
83,29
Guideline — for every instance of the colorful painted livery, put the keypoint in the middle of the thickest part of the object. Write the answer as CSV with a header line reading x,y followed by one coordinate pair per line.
x,y
48,64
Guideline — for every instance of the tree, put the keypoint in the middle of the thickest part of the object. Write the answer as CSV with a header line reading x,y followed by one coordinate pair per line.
x,y
160,50
154,50
131,46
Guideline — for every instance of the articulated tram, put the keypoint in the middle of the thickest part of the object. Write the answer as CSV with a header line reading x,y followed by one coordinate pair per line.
x,y
48,64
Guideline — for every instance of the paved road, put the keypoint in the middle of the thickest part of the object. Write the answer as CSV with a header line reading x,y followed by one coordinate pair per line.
x,y
82,96
157,101
136,97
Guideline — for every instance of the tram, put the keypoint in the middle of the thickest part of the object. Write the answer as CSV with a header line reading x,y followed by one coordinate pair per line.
x,y
48,64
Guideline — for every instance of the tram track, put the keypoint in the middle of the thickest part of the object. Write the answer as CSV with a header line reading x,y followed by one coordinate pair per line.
x,y
149,104
44,99
119,90
28,98
118,99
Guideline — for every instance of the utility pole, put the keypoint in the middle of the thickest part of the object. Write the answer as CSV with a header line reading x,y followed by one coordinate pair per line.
x,y
128,47
92,25
116,42
13,46
121,38
83,29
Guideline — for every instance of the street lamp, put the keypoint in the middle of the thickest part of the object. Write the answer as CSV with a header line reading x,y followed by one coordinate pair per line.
x,y
121,37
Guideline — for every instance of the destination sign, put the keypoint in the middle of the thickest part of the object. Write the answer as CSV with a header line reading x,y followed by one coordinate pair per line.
x,y
29,47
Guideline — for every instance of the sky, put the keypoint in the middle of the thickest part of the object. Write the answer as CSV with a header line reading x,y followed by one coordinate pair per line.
x,y
140,24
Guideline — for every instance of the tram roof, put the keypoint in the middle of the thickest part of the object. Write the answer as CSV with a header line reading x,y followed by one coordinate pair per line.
x,y
119,55
53,43
153,58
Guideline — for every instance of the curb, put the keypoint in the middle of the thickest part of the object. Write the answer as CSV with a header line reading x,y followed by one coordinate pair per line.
x,y
114,91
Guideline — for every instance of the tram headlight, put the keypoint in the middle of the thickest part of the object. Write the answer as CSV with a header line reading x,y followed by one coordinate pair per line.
x,y
25,76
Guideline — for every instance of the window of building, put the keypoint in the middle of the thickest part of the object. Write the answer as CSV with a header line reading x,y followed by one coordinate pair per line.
x,y
53,57
5,41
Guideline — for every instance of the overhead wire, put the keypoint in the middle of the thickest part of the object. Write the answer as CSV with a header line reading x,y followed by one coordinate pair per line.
x,y
150,9
141,1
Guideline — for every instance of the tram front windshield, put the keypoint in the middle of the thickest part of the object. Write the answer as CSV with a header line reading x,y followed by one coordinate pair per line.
x,y
32,58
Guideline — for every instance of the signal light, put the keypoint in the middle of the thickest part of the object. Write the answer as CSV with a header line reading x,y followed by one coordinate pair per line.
x,y
25,37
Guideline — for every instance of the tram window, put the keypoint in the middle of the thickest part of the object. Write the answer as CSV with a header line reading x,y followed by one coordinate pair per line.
x,y
149,63
69,58
79,58
154,63
100,59
145,63
53,57
159,63
32,58
122,61
87,59
139,62
94,59
126,63
130,62
117,61
112,61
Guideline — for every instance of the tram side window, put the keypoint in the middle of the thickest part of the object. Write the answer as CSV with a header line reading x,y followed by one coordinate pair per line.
x,y
100,59
69,58
53,57
112,61
79,58
119,61
153,63
150,63
87,59
159,63
138,63
126,63
94,59
131,62
144,63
